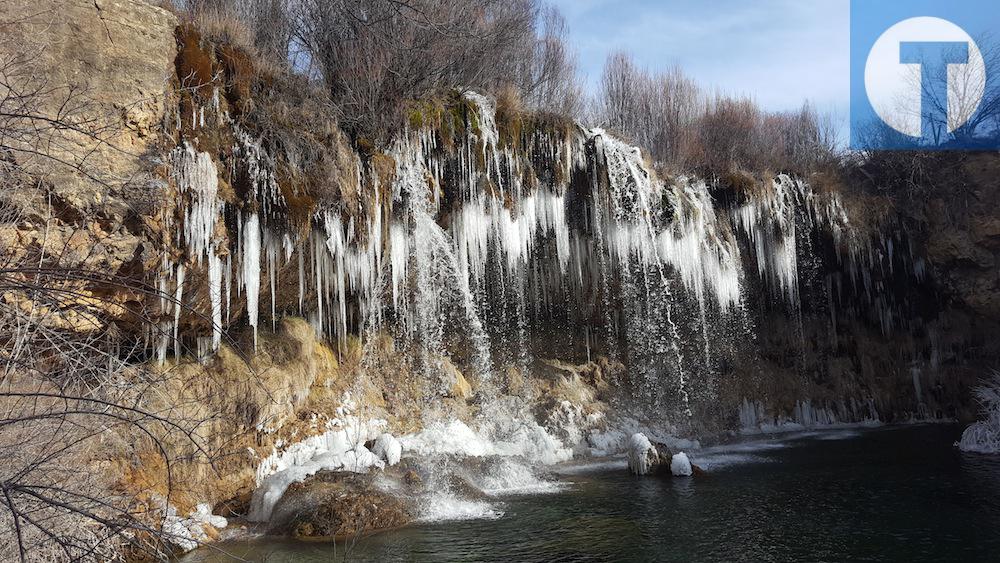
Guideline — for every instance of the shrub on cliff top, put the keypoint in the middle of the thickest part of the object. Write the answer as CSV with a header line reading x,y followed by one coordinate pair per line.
x,y
373,55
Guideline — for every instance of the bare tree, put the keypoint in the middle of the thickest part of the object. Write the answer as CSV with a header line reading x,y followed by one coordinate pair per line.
x,y
375,54
550,80
684,129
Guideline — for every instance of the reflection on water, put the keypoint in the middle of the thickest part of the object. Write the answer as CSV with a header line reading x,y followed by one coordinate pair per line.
x,y
893,494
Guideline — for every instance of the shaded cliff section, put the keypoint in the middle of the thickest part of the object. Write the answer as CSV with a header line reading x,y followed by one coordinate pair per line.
x,y
915,331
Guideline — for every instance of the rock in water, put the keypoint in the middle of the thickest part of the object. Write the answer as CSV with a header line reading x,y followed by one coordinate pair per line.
x,y
680,465
654,458
337,505
642,455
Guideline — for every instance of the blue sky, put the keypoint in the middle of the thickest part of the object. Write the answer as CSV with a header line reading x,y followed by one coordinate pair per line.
x,y
781,52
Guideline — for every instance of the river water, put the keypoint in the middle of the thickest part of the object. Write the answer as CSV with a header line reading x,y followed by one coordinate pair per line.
x,y
885,494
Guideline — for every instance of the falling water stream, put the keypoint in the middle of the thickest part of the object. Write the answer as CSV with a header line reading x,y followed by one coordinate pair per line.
x,y
478,255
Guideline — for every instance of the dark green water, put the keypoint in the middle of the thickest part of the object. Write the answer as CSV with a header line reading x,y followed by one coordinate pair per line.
x,y
893,494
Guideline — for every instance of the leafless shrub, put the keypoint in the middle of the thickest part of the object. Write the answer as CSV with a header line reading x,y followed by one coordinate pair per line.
x,y
685,129
374,55
549,80
265,25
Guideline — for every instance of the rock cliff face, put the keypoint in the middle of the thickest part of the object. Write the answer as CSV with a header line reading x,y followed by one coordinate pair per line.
x,y
184,189
490,262
962,230
87,88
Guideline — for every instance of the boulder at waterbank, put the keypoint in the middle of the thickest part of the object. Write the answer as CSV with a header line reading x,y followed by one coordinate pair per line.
x,y
338,505
680,465
646,458
654,458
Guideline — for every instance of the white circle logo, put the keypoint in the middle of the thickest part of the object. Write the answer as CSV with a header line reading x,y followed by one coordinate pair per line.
x,y
895,89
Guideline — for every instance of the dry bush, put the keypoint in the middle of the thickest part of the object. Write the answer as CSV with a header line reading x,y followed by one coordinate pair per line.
x,y
74,407
373,56
654,110
260,26
297,124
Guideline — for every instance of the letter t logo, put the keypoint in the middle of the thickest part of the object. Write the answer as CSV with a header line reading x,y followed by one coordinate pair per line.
x,y
933,58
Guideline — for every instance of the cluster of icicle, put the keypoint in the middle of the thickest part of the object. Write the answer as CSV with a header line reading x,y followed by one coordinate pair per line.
x,y
754,418
508,247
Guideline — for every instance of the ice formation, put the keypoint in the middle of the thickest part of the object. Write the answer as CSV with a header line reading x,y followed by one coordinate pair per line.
x,y
984,436
476,246
617,439
754,419
680,465
453,437
469,251
516,438
188,532
642,455
340,448
388,449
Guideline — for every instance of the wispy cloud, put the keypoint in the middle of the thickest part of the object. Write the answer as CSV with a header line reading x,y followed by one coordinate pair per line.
x,y
782,52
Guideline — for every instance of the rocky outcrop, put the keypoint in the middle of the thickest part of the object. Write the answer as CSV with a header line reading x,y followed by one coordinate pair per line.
x,y
961,219
646,458
105,67
94,81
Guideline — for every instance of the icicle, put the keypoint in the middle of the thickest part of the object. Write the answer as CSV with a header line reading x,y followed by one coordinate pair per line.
x,y
251,269
302,280
197,177
215,295
178,300
229,286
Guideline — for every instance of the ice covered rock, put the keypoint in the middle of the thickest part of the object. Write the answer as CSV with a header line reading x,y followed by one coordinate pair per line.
x,y
680,465
983,437
642,455
187,533
512,438
654,458
453,437
340,449
388,448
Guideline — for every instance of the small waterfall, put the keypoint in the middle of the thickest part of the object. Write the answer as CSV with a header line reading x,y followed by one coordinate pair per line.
x,y
495,248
